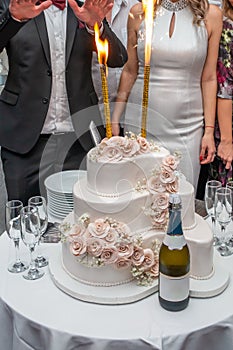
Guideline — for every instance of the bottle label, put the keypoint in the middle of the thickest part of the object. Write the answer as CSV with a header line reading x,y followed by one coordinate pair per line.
x,y
173,288
174,241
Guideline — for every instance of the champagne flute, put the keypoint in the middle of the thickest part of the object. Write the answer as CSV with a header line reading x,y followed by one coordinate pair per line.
x,y
12,217
210,190
30,232
40,203
223,209
230,186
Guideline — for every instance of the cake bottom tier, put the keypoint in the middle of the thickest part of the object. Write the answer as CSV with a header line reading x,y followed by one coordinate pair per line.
x,y
199,239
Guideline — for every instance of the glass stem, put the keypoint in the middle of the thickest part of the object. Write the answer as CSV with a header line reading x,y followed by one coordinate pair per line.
x,y
213,224
39,254
32,263
16,243
223,240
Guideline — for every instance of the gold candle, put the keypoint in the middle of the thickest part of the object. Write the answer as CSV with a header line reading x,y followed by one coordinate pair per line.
x,y
148,7
102,49
106,102
145,99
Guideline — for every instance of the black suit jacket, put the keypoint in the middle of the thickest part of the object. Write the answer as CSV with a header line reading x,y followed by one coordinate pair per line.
x,y
25,99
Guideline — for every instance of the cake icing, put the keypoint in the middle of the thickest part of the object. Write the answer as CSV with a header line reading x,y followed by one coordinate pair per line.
x,y
127,184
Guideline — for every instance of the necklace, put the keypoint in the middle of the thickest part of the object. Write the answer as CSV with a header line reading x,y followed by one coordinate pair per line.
x,y
174,6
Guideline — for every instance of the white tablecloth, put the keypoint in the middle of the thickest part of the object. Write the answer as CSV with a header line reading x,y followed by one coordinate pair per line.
x,y
37,315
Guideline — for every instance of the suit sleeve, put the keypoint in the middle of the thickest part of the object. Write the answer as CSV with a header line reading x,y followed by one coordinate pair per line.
x,y
8,26
117,52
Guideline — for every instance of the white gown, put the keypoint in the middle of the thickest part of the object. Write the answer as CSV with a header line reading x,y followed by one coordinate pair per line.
x,y
175,113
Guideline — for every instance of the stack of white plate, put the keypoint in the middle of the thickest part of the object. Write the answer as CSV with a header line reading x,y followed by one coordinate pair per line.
x,y
59,188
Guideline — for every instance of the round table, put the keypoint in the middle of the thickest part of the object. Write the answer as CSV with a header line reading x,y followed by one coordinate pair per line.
x,y
37,315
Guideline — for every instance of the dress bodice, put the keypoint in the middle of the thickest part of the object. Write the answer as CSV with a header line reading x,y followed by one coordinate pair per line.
x,y
183,54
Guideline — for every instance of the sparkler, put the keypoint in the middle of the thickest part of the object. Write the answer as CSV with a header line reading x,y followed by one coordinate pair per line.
x,y
148,7
102,49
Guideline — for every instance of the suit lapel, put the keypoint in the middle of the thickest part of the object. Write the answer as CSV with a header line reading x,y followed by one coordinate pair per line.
x,y
42,30
72,23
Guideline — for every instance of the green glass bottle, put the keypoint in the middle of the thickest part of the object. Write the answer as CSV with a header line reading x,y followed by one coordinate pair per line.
x,y
174,262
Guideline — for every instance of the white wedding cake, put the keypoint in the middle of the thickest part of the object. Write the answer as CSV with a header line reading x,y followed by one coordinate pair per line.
x,y
121,213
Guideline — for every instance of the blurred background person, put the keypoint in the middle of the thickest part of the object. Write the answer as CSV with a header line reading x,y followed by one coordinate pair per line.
x,y
221,168
3,75
49,99
183,84
204,172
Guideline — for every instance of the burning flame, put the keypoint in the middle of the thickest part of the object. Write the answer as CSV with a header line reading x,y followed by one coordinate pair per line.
x,y
148,7
102,46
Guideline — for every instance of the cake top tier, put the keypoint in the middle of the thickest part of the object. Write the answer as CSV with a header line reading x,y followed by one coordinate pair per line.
x,y
117,148
116,165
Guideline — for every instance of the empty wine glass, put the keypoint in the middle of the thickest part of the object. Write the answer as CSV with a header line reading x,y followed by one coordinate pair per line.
x,y
40,203
210,190
30,232
223,209
12,217
230,186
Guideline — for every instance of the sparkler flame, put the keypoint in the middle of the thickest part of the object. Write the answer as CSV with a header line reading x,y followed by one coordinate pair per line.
x,y
148,8
102,49
102,46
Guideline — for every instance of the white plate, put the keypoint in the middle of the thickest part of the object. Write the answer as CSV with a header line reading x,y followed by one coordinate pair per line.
x,y
60,203
61,212
63,181
59,194
60,197
61,209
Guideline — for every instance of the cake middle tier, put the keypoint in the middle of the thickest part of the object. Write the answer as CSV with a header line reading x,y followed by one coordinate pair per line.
x,y
114,178
130,207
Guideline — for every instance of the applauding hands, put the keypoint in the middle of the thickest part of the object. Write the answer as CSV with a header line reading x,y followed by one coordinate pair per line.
x,y
26,9
92,11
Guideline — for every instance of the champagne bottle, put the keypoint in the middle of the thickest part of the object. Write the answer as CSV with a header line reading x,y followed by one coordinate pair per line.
x,y
174,262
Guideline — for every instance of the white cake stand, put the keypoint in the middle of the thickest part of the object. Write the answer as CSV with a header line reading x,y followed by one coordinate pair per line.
x,y
131,292
120,294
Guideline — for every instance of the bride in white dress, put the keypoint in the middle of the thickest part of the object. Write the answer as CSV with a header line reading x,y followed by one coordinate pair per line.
x,y
182,87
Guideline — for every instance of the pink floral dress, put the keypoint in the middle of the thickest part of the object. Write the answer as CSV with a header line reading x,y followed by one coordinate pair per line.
x,y
225,90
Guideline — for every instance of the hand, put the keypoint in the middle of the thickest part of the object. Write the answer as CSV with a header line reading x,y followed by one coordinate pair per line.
x,y
225,152
92,11
27,9
208,149
115,129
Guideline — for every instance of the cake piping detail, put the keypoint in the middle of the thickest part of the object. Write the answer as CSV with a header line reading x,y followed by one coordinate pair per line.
x,y
100,284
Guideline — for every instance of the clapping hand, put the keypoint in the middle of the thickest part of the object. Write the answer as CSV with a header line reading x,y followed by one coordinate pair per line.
x,y
225,152
26,9
208,149
92,11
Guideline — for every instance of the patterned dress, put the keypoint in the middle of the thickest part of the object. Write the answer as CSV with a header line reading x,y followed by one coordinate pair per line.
x,y
225,90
